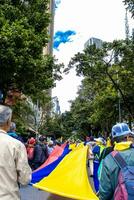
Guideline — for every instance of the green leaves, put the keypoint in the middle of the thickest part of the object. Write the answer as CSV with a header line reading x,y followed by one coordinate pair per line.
x,y
23,35
130,6
107,82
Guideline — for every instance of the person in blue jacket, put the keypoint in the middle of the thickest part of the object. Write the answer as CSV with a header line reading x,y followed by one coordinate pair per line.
x,y
97,150
12,132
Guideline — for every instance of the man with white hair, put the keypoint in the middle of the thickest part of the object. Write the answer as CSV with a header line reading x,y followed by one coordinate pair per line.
x,y
12,130
14,168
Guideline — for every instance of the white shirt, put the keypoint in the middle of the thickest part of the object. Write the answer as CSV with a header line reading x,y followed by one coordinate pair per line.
x,y
50,149
14,167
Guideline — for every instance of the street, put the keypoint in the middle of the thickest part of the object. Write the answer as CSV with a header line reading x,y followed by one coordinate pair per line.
x,y
31,193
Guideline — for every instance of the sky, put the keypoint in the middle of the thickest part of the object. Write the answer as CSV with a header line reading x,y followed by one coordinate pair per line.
x,y
75,22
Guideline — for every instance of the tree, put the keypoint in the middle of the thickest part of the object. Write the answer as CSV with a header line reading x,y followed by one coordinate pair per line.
x,y
67,124
59,125
111,64
24,34
95,108
81,110
107,85
52,127
130,6
21,113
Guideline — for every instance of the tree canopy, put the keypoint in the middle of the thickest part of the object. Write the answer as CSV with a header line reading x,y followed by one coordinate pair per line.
x,y
23,35
130,6
106,94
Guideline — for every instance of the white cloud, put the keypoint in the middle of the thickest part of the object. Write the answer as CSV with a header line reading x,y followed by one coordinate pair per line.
x,y
103,19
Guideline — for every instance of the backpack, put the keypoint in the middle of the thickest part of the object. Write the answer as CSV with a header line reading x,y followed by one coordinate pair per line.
x,y
125,187
30,152
104,153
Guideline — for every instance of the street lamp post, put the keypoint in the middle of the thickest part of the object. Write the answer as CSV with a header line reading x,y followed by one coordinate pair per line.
x,y
119,99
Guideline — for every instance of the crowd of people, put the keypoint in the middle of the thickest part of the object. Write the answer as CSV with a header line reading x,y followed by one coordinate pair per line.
x,y
38,151
112,159
113,164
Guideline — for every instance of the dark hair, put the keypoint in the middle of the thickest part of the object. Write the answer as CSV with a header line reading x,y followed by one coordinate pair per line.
x,y
58,143
122,138
91,138
42,139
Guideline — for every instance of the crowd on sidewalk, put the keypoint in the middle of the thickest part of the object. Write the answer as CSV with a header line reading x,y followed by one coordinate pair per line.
x,y
112,158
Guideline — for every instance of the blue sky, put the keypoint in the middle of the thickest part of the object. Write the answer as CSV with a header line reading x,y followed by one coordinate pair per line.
x,y
75,22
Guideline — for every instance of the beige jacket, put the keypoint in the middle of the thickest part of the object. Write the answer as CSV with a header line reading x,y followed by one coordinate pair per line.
x,y
14,168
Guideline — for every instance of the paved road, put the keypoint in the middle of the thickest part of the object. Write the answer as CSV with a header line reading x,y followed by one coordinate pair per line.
x,y
30,193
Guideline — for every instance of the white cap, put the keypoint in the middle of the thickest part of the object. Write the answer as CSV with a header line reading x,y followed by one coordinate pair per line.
x,y
51,142
5,114
100,139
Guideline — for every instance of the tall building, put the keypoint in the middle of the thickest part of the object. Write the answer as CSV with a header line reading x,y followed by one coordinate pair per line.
x,y
49,48
93,40
56,106
126,26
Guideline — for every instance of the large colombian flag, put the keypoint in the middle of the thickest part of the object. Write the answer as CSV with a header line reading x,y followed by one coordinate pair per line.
x,y
55,154
70,178
45,170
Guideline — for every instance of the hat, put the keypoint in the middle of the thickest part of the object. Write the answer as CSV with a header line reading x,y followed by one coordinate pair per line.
x,y
100,140
50,142
5,114
31,140
120,129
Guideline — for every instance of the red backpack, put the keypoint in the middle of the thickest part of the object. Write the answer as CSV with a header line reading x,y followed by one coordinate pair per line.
x,y
30,152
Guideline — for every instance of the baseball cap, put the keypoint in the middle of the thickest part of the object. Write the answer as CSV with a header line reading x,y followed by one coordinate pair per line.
x,y
50,142
100,140
120,129
31,141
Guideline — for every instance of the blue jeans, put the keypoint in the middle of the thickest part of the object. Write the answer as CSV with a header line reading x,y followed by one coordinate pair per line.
x,y
95,175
